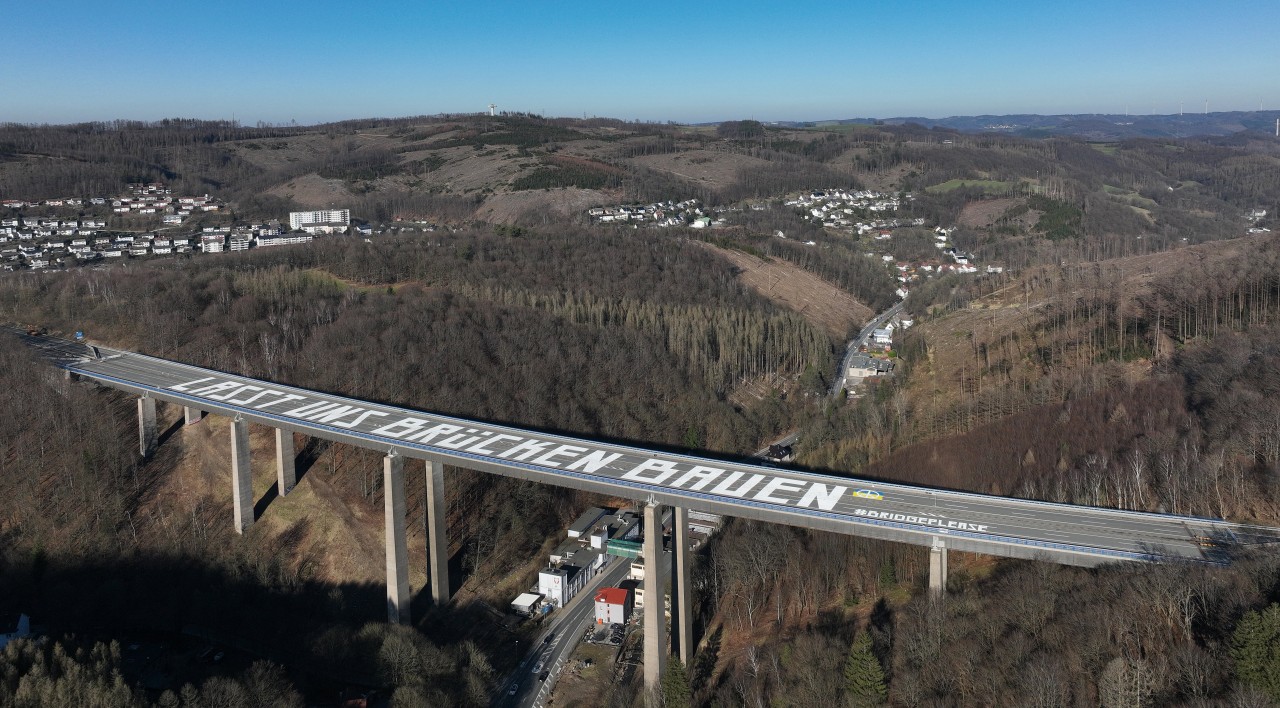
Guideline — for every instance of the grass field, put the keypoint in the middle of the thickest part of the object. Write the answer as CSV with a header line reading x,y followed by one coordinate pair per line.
x,y
1129,196
1104,148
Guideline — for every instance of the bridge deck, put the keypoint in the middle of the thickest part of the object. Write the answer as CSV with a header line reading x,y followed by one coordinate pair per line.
x,y
1002,526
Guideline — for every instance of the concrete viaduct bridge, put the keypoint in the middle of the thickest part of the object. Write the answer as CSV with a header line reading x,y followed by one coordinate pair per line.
x,y
938,519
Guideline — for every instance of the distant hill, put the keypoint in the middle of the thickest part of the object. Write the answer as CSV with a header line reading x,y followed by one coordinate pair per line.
x,y
1091,126
527,170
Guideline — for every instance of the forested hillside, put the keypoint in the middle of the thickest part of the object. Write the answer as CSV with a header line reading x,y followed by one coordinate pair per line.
x,y
1141,383
1057,198
536,330
1146,381
1126,357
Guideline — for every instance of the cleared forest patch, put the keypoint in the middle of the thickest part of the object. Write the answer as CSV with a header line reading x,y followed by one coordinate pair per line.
x,y
564,203
989,185
886,179
463,169
716,169
984,213
314,191
820,302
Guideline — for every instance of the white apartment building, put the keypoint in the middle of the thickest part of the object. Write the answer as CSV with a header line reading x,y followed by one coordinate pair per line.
x,y
325,221
213,243
282,240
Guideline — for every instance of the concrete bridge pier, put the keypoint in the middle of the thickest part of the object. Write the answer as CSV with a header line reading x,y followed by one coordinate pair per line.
x,y
286,470
397,549
147,436
241,476
191,416
437,539
655,619
682,607
937,568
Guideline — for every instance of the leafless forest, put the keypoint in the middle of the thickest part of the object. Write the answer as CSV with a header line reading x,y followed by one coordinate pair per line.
x,y
1128,357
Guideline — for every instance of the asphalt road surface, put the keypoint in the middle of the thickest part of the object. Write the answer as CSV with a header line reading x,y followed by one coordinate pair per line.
x,y
854,344
962,521
565,631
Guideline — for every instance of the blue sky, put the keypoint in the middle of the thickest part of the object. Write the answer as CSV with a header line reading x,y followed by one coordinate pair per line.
x,y
72,60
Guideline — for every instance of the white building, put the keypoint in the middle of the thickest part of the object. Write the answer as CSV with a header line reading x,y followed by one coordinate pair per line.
x,y
526,604
613,605
283,239
559,583
320,222
213,243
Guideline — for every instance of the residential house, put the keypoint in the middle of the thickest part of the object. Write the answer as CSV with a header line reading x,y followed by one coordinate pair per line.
x,y
613,605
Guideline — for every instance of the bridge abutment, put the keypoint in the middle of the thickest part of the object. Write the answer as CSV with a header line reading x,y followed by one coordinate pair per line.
x,y
241,476
191,416
437,539
147,436
397,550
655,620
682,606
286,469
937,568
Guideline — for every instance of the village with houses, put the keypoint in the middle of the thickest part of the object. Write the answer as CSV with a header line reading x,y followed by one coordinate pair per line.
x,y
688,212
869,217
866,215
142,199
42,242
52,240
853,210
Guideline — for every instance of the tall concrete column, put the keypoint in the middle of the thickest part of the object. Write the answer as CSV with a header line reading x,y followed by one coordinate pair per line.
x,y
655,620
682,607
937,568
437,539
286,471
191,416
147,426
397,550
241,476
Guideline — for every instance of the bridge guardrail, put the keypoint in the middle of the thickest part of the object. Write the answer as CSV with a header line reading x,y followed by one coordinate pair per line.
x,y
1075,508
392,444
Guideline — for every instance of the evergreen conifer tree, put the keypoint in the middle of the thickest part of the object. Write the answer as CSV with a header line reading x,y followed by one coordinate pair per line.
x,y
675,685
1255,647
863,676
